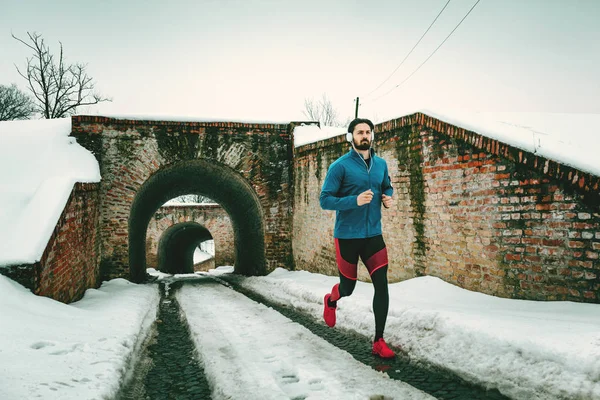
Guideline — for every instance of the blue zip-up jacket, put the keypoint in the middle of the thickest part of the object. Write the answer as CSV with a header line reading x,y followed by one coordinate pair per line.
x,y
346,178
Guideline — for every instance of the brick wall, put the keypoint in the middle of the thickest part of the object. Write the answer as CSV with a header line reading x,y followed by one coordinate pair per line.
x,y
471,210
69,264
212,217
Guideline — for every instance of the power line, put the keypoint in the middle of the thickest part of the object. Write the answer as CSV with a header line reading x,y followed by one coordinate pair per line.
x,y
431,55
411,50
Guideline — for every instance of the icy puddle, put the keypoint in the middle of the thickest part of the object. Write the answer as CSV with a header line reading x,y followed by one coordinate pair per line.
x,y
250,351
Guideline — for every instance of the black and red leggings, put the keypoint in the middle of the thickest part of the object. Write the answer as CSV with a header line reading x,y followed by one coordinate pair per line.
x,y
373,253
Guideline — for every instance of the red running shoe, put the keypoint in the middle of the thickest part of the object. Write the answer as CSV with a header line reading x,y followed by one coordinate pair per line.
x,y
328,312
381,349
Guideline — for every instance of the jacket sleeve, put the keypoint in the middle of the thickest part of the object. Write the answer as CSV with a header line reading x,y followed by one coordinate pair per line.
x,y
386,185
329,193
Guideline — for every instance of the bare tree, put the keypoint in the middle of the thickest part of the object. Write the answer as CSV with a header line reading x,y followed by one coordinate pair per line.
x,y
58,88
15,104
192,198
321,110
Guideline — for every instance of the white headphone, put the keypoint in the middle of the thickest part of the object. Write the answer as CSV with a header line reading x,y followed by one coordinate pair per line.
x,y
349,137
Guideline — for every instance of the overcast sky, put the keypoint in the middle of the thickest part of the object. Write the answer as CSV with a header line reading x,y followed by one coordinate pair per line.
x,y
259,59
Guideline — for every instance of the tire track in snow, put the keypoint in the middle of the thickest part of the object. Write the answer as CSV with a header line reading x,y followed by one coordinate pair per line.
x,y
250,351
438,383
167,367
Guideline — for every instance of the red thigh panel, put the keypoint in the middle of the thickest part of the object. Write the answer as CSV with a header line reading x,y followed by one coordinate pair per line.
x,y
346,268
377,260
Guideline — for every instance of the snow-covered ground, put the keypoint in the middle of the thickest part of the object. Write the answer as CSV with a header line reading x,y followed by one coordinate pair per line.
x,y
50,350
200,255
528,350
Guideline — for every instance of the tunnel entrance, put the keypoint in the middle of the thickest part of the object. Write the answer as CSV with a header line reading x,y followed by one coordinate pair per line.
x,y
177,246
211,179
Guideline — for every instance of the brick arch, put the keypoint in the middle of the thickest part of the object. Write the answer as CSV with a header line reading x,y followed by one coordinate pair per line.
x,y
177,245
211,179
212,216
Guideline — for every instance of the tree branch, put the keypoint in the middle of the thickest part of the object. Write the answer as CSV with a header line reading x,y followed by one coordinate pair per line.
x,y
59,88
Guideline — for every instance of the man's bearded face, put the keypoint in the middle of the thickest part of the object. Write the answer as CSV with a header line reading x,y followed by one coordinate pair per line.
x,y
361,137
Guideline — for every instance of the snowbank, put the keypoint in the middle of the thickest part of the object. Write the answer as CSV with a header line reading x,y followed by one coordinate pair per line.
x,y
79,351
528,350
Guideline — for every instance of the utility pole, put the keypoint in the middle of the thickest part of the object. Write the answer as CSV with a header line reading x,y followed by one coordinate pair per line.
x,y
356,111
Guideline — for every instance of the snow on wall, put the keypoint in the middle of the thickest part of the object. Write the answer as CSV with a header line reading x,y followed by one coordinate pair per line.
x,y
305,134
570,139
39,164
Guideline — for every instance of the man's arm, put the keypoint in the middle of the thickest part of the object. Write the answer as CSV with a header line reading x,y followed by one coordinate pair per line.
x,y
386,189
331,187
386,186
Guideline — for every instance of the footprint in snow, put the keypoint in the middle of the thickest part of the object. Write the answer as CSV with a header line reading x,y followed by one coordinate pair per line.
x,y
76,346
316,384
41,345
290,378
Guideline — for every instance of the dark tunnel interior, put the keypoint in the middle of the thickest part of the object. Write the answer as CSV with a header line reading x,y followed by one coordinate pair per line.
x,y
177,245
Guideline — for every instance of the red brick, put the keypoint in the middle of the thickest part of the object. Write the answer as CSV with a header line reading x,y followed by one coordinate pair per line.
x,y
552,242
564,271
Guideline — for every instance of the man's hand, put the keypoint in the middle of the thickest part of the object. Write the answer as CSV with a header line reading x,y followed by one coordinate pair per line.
x,y
364,198
386,200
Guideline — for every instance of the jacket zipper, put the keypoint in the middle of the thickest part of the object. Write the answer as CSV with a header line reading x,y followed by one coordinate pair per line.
x,y
369,181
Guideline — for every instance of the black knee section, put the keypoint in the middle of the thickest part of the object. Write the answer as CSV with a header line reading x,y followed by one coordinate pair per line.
x,y
380,282
381,299
346,286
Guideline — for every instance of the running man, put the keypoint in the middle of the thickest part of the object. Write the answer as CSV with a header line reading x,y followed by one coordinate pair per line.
x,y
356,186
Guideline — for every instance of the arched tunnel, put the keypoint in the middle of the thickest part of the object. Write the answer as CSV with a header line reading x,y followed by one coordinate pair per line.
x,y
213,180
177,245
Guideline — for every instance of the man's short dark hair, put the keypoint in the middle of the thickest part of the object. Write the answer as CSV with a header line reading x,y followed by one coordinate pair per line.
x,y
360,121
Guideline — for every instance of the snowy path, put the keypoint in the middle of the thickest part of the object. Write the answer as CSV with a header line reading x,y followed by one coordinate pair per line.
x,y
251,351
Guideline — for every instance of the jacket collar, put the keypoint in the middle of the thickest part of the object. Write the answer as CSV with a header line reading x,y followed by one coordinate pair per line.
x,y
355,153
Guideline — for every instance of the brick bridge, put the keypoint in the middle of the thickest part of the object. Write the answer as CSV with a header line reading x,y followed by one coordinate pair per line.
x,y
246,168
470,210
